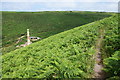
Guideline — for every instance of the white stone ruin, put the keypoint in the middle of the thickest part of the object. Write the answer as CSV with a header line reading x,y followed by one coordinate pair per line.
x,y
28,38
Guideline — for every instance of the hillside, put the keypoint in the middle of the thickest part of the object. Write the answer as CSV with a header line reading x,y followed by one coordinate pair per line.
x,y
69,54
41,24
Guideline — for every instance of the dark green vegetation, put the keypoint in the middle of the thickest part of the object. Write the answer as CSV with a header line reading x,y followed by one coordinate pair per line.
x,y
66,55
42,24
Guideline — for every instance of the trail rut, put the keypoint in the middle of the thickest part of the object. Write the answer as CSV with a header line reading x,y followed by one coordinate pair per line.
x,y
98,72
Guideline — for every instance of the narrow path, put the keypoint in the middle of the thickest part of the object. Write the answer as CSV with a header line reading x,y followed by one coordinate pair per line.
x,y
98,72
19,39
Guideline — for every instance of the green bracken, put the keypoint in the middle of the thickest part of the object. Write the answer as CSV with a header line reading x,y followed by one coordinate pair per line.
x,y
65,55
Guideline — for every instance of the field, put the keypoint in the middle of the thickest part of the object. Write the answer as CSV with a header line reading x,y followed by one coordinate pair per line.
x,y
69,54
42,24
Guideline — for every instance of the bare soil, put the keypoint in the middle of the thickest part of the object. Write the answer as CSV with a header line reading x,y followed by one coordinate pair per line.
x,y
98,72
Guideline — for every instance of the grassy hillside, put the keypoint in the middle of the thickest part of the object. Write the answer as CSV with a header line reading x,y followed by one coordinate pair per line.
x,y
42,24
66,55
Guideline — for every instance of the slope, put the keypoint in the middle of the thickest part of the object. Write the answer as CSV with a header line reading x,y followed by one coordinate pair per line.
x,y
41,24
66,55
